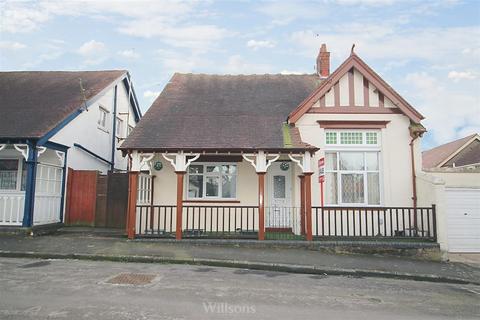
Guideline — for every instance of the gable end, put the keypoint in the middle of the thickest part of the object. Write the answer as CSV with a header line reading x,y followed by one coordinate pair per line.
x,y
355,88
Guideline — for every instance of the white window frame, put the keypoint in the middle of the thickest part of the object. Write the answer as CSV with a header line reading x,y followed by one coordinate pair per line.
x,y
206,174
129,129
359,148
18,187
118,127
102,110
364,139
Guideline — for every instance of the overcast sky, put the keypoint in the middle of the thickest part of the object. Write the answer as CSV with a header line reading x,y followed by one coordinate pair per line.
x,y
429,51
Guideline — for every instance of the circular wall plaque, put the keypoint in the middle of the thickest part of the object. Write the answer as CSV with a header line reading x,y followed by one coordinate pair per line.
x,y
285,166
158,165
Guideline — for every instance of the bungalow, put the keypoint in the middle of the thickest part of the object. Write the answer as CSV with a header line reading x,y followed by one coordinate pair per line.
x,y
51,121
452,178
278,156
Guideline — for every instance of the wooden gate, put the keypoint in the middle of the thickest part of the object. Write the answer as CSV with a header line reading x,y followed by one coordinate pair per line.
x,y
96,200
117,200
81,197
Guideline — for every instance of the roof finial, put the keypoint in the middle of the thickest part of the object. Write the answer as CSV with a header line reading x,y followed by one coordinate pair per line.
x,y
353,47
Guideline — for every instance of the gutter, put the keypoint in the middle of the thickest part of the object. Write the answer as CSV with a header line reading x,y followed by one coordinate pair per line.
x,y
114,130
91,153
416,131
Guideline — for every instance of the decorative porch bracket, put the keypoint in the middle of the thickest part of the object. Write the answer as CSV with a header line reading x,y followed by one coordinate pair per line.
x,y
23,149
41,150
305,163
261,161
61,157
146,159
180,164
2,146
261,164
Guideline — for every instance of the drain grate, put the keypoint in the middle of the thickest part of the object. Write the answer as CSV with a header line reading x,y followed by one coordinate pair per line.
x,y
135,279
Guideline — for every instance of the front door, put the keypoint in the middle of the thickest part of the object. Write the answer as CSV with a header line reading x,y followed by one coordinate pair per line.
x,y
279,204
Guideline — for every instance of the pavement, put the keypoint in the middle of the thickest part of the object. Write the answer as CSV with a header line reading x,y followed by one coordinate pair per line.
x,y
72,289
109,246
472,259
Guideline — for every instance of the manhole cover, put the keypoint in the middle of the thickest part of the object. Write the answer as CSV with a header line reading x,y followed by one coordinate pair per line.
x,y
136,279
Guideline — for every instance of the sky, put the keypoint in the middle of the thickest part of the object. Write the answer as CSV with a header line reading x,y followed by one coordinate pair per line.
x,y
429,51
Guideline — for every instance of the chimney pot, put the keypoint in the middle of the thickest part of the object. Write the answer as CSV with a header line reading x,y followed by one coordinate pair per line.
x,y
323,62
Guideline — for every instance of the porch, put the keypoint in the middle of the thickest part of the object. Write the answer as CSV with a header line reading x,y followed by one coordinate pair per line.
x,y
277,205
31,184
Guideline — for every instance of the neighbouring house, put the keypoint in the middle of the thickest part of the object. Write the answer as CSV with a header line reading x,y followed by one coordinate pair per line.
x,y
279,156
452,179
51,121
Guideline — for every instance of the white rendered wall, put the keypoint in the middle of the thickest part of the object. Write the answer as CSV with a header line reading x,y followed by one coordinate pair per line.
x,y
396,178
84,130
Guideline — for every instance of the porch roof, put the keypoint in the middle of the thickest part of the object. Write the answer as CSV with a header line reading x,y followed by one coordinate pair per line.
x,y
224,151
243,113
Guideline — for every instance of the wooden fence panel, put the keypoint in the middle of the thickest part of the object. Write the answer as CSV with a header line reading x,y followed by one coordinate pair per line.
x,y
81,197
117,200
101,206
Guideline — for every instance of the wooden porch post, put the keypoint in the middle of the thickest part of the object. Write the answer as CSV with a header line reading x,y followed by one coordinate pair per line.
x,y
308,204
178,230
302,204
132,203
261,205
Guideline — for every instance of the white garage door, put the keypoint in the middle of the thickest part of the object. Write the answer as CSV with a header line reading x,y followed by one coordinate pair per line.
x,y
463,216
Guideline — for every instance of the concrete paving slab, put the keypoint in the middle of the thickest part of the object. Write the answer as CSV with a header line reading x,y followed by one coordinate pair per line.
x,y
88,246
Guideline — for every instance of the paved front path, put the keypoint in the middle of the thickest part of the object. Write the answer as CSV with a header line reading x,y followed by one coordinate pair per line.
x,y
92,245
70,289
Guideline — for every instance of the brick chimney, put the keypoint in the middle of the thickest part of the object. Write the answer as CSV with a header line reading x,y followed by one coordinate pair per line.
x,y
323,62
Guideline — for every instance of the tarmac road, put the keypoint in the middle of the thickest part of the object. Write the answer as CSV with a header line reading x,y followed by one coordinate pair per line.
x,y
70,289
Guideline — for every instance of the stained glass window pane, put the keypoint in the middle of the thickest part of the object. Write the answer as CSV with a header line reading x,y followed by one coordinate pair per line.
x,y
352,188
279,187
371,138
351,137
331,138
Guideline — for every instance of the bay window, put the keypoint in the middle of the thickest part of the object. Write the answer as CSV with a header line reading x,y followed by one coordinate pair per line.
x,y
352,168
212,181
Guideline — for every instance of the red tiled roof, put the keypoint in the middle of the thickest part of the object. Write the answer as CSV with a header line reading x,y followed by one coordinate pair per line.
x,y
433,157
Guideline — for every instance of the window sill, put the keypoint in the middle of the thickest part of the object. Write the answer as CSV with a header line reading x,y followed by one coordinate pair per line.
x,y
102,129
211,201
